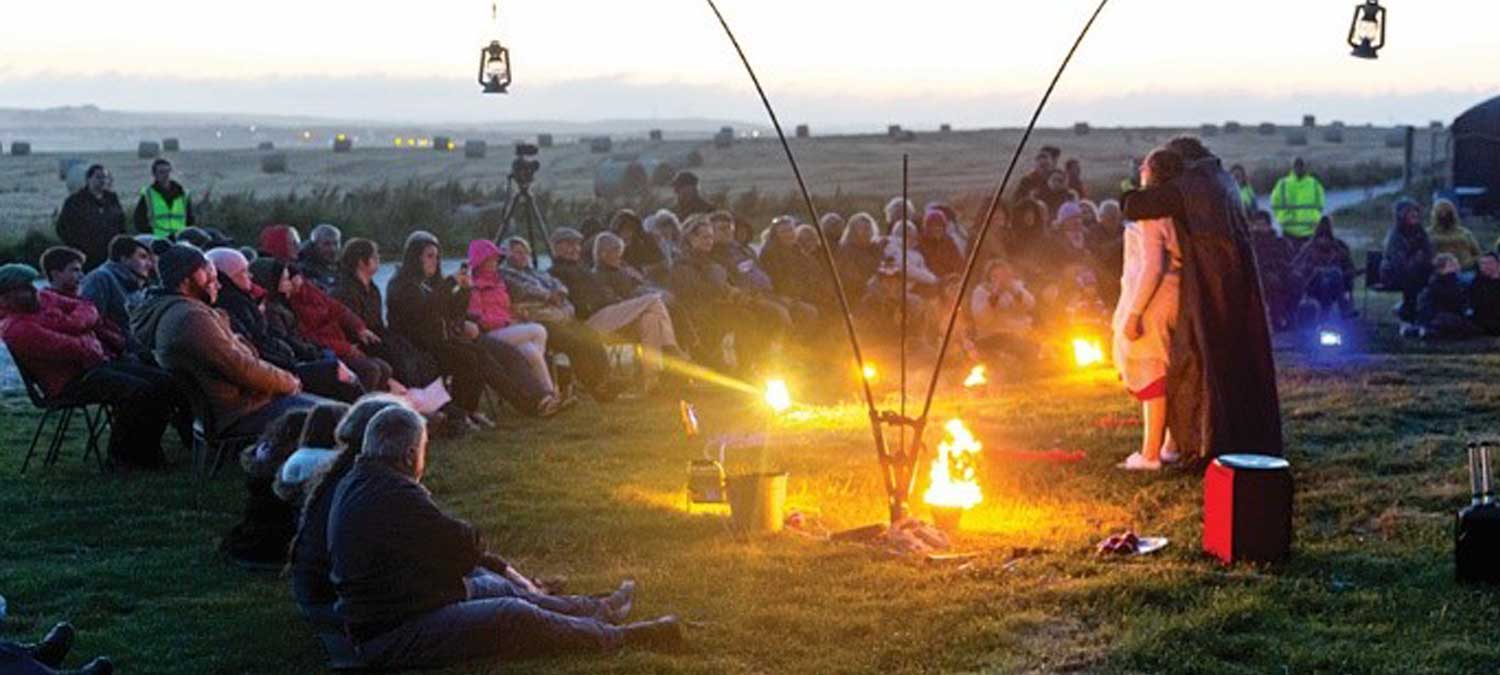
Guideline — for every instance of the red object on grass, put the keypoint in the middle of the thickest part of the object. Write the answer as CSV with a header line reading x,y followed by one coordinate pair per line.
x,y
1247,508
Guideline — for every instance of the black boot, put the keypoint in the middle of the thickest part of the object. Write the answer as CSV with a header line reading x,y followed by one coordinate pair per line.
x,y
54,647
657,634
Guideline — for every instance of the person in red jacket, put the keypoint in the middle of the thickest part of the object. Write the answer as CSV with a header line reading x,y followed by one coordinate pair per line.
x,y
58,342
329,324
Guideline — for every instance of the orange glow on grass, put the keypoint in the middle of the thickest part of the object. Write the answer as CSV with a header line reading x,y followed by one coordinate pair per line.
x,y
954,483
1087,352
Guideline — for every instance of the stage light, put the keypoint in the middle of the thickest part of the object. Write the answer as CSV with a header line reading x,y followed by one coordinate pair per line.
x,y
1087,352
778,396
1330,338
870,372
1367,30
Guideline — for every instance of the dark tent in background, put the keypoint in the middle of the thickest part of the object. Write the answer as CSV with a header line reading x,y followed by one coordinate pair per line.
x,y
1476,158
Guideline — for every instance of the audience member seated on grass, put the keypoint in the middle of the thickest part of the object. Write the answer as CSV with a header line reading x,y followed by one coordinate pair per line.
x,y
877,314
259,540
833,226
62,268
939,251
1069,243
417,588
808,242
859,253
46,657
1273,259
308,566
898,210
1074,171
1407,262
1326,268
1027,235
690,202
732,250
643,315
491,306
1055,193
59,343
188,336
1001,308
1442,308
667,230
329,324
319,256
431,312
1106,241
716,308
1484,295
119,286
919,279
642,250
1035,179
798,279
1449,236
320,373
281,242
538,296
356,289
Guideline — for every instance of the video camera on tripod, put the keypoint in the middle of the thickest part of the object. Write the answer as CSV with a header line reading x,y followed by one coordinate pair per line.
x,y
524,167
523,170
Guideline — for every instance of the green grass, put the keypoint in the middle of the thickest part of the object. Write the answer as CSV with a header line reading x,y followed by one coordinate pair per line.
x,y
1376,442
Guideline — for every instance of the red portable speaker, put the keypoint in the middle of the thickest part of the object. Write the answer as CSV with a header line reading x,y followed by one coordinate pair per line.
x,y
1247,508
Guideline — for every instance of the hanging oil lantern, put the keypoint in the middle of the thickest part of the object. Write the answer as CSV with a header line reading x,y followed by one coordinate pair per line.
x,y
1367,30
494,61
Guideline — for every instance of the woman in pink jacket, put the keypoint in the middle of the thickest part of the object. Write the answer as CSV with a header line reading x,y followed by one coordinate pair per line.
x,y
489,303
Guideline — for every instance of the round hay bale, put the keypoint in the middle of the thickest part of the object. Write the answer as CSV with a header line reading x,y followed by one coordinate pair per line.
x,y
1231,127
475,148
1435,125
77,175
724,139
443,144
601,145
1081,128
803,131
265,145
893,130
1266,129
170,145
906,136
67,163
544,140
148,150
274,162
1296,137
342,143
20,148
945,128
1208,130
654,134
618,178
1334,133
1309,121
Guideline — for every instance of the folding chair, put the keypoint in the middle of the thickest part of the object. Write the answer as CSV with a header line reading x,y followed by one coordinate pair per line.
x,y
96,419
209,447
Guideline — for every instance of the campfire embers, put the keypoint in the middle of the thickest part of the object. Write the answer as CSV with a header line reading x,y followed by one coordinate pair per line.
x,y
954,483
977,378
1087,352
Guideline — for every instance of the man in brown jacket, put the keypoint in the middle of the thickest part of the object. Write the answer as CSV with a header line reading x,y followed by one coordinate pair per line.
x,y
188,336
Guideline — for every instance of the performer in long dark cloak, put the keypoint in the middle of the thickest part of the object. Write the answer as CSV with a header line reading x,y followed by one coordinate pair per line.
x,y
1222,376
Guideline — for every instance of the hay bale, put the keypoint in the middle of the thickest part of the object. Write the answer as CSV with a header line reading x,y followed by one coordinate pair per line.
x,y
475,149
274,162
66,164
654,134
1435,125
1208,130
1081,128
1310,121
443,144
148,150
544,140
893,131
601,145
20,148
265,145
170,145
725,138
945,128
342,143
1395,138
691,159
803,131
1266,129
1231,127
906,136
1334,133
1296,137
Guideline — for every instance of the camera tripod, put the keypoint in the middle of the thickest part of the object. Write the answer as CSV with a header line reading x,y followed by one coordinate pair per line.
x,y
535,225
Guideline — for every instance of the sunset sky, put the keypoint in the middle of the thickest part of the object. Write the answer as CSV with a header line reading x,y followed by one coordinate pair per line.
x,y
833,63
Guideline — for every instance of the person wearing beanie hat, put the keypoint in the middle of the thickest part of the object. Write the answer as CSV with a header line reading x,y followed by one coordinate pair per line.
x,y
1407,262
186,335
72,353
689,201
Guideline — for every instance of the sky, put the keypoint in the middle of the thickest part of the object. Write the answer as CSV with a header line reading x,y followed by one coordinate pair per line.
x,y
832,63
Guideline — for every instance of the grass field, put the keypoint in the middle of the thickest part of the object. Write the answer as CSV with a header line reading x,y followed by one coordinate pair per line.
x,y
942,165
1376,441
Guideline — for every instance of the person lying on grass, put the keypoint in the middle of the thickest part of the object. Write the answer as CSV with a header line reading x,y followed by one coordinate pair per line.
x,y
416,588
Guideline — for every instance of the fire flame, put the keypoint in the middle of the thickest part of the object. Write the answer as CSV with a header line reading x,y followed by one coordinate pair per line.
x,y
953,481
1087,352
778,396
976,378
869,372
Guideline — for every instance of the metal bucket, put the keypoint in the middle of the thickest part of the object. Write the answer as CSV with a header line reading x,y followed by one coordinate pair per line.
x,y
757,502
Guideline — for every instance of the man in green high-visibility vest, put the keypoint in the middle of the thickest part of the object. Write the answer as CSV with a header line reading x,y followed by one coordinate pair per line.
x,y
1297,201
164,208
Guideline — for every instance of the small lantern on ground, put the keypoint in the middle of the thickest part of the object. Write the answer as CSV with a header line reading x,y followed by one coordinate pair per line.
x,y
1367,30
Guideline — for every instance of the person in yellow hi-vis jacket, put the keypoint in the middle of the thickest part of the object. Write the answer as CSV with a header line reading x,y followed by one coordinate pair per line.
x,y
165,207
1297,201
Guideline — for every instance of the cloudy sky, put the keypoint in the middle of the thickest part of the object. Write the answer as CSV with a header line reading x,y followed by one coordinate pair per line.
x,y
834,63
